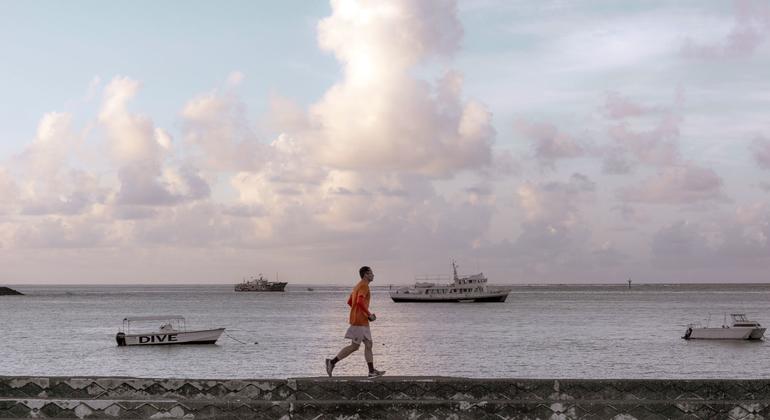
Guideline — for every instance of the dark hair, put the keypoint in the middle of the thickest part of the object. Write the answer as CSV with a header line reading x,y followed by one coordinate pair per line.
x,y
363,270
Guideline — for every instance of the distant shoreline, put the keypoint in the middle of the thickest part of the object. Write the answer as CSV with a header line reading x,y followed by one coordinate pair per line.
x,y
388,285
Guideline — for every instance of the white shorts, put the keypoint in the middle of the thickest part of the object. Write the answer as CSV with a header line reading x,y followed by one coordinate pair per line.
x,y
359,333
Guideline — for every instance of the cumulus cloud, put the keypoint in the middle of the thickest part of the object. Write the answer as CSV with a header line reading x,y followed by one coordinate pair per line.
x,y
392,164
552,229
361,161
555,203
140,150
657,146
724,250
217,130
52,146
8,190
554,240
682,184
235,78
549,143
47,183
681,244
760,150
380,117
750,29
140,186
131,136
616,162
617,106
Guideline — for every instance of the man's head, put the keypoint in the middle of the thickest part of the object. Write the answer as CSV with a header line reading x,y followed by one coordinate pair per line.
x,y
366,273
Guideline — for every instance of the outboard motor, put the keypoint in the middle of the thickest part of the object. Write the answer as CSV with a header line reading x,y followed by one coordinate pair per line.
x,y
121,339
687,333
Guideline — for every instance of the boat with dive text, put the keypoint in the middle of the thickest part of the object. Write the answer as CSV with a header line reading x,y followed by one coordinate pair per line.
x,y
172,330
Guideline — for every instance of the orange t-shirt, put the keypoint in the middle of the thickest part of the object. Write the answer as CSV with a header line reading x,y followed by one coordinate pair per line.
x,y
359,293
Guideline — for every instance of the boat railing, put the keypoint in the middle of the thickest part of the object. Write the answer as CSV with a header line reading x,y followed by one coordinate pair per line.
x,y
433,279
175,322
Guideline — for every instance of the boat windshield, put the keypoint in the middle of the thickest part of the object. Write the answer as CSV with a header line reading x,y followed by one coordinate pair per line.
x,y
739,317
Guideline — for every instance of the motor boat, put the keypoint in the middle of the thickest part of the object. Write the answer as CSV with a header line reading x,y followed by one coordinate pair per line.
x,y
741,328
172,330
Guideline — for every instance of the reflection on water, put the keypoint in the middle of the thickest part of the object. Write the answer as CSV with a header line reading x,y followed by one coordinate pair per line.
x,y
548,332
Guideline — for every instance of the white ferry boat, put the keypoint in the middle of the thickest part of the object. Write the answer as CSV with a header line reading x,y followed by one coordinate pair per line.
x,y
471,288
741,329
173,330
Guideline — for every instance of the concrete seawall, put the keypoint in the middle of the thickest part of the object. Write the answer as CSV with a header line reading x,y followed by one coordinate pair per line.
x,y
386,397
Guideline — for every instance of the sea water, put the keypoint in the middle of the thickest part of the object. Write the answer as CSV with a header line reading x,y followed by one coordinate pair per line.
x,y
553,331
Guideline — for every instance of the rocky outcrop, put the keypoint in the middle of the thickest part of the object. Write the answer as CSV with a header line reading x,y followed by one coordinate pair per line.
x,y
9,291
386,398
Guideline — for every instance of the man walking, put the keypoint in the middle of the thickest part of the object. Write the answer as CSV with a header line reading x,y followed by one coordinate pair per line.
x,y
359,324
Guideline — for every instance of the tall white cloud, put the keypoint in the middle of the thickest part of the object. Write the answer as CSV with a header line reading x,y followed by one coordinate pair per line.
x,y
140,149
380,116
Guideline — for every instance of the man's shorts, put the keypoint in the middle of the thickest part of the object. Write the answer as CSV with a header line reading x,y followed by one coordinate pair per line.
x,y
359,333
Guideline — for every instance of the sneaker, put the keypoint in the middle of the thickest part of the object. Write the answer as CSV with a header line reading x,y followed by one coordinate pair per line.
x,y
329,367
376,373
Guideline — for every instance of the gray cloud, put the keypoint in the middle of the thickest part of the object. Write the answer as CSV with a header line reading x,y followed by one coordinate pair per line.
x,y
751,27
683,184
658,146
554,207
138,186
59,232
728,250
760,151
615,162
617,106
549,143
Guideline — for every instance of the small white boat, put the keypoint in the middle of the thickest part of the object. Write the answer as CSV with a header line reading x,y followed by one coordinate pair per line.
x,y
173,330
741,329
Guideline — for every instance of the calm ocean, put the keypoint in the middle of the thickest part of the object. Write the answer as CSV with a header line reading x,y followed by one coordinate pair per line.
x,y
539,332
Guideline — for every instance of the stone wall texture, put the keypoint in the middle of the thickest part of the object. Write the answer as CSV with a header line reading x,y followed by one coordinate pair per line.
x,y
382,398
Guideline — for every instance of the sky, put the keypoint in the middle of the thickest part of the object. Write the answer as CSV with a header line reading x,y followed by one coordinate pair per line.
x,y
542,142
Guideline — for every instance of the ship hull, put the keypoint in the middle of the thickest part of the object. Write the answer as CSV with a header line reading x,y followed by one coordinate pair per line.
x,y
275,287
455,300
733,333
428,299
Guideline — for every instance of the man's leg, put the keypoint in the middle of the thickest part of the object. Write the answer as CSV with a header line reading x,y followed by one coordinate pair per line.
x,y
373,373
346,351
368,355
